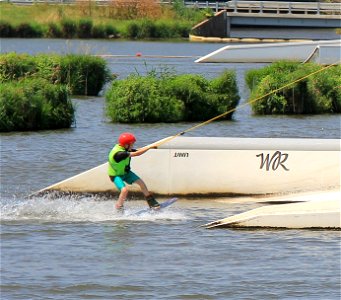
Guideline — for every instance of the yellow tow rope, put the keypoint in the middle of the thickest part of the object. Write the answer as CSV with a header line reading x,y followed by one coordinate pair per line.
x,y
161,142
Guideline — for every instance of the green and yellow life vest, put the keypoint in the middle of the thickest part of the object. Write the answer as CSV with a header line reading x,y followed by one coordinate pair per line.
x,y
117,168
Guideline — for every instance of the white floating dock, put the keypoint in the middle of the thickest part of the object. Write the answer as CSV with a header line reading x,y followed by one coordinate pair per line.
x,y
271,52
321,211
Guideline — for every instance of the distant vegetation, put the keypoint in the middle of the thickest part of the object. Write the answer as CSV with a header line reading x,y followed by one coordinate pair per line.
x,y
82,74
166,97
317,94
35,90
131,19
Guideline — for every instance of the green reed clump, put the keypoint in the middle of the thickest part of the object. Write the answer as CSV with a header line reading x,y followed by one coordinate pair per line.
x,y
151,29
319,93
83,74
34,104
54,30
84,28
110,32
29,30
168,97
14,66
137,99
6,29
68,28
325,90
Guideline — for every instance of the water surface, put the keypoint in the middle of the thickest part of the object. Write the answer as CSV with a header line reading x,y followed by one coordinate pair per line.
x,y
76,247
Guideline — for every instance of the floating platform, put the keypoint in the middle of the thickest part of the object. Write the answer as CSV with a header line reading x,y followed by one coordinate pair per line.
x,y
320,210
271,52
217,166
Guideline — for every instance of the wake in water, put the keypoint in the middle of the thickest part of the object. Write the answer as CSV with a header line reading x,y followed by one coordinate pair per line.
x,y
76,208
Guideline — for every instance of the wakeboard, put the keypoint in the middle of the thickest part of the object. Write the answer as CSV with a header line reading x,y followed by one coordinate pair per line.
x,y
163,205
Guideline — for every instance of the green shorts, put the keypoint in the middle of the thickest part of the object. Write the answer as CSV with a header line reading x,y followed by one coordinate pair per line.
x,y
129,178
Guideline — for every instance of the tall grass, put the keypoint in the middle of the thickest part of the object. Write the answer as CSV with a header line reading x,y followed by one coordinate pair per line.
x,y
319,93
34,104
86,20
167,97
83,74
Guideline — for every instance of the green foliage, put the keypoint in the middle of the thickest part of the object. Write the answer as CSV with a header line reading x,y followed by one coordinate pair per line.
x,y
325,90
99,31
54,30
319,93
110,31
190,13
6,29
92,21
69,28
34,104
191,90
28,30
166,97
83,74
136,99
84,28
14,66
253,77
226,90
147,29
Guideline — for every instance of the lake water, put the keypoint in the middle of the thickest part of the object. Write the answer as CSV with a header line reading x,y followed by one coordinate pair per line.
x,y
76,247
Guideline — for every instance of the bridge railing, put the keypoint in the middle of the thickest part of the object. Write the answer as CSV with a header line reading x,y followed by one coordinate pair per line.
x,y
283,7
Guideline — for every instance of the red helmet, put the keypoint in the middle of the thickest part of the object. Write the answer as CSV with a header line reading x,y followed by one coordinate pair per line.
x,y
126,138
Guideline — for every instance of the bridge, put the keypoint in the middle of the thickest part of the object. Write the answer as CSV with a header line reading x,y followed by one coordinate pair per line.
x,y
279,7
270,14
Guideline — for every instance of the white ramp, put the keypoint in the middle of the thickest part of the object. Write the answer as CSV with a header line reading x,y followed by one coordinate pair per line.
x,y
321,211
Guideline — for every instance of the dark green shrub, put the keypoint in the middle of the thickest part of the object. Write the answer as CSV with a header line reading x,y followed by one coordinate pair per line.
x,y
69,28
34,104
14,66
167,97
313,94
111,31
48,67
84,29
191,90
28,30
132,30
181,29
99,32
137,99
225,93
324,89
84,74
253,77
54,31
163,30
6,29
147,29
205,99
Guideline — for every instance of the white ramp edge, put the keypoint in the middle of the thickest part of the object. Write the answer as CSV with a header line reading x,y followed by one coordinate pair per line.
x,y
322,211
